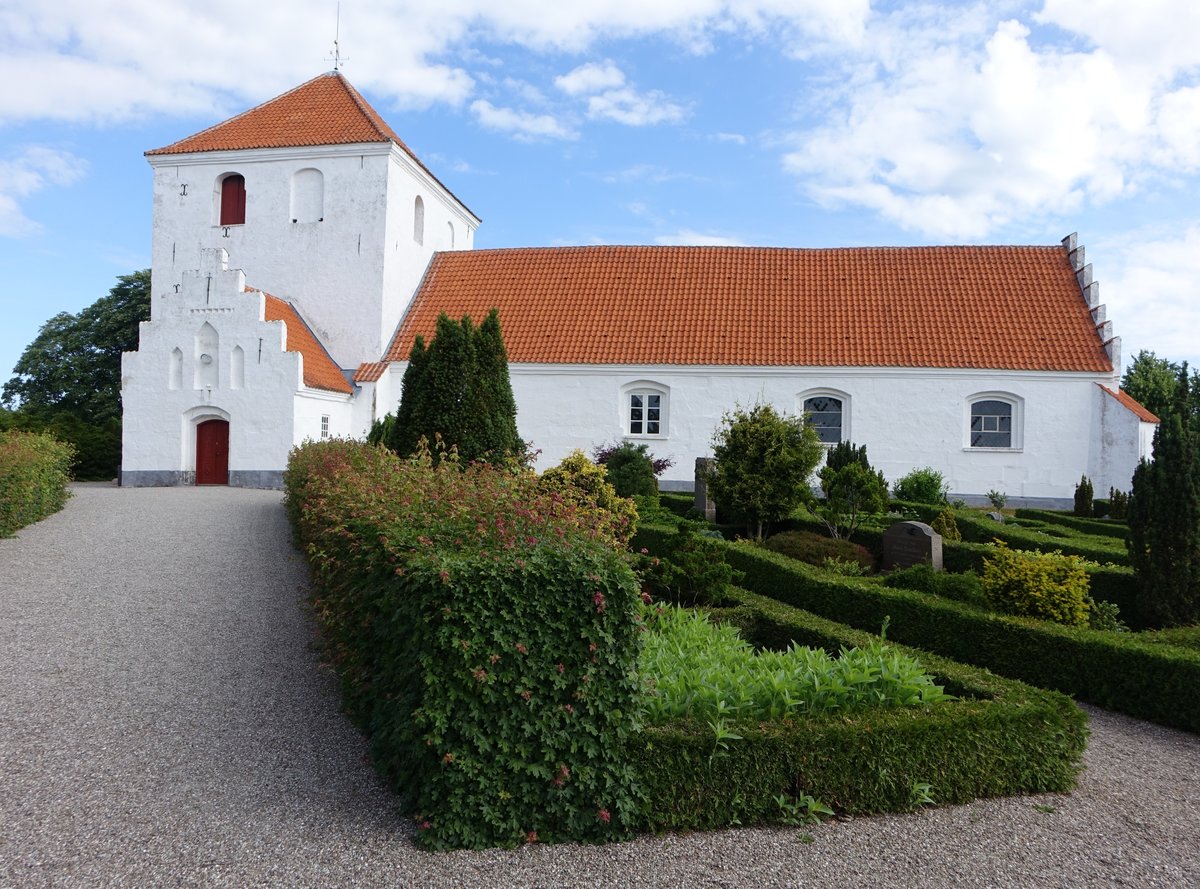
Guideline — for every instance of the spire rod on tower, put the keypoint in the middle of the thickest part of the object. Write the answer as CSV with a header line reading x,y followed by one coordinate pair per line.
x,y
336,58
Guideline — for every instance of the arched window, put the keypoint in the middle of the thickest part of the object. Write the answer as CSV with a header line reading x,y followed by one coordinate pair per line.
x,y
450,235
232,200
207,348
645,410
175,377
994,421
419,220
237,368
308,196
825,415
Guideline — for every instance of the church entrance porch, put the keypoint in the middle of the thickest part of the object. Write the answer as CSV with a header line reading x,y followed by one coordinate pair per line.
x,y
212,452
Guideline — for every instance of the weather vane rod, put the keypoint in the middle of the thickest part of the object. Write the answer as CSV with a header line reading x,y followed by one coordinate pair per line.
x,y
336,58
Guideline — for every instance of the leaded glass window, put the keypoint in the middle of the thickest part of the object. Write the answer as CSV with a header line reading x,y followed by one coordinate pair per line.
x,y
825,415
991,424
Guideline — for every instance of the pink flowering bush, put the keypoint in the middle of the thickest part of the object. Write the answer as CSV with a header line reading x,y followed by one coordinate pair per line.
x,y
485,634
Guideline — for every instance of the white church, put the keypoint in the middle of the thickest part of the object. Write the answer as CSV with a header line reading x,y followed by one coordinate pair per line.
x,y
299,248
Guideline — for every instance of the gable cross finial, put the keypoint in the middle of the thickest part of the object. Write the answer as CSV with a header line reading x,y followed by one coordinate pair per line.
x,y
336,58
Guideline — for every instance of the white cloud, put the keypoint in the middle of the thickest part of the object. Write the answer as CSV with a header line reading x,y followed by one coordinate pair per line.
x,y
32,170
735,138
634,109
593,77
83,60
956,126
691,238
1148,281
521,124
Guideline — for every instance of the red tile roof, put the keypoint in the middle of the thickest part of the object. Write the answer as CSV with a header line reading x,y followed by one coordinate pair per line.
x,y
370,371
1132,404
320,371
1017,308
326,110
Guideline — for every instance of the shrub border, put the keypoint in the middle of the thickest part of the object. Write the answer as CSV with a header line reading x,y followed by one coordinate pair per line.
x,y
1112,670
1003,737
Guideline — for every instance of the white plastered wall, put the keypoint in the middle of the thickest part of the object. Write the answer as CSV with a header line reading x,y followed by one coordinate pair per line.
x,y
907,418
268,408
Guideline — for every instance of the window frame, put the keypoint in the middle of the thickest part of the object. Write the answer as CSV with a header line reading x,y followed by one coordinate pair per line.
x,y
645,389
842,397
226,215
1016,430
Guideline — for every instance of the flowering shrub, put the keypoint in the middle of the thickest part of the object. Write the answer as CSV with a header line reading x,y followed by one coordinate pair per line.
x,y
34,471
485,635
1050,586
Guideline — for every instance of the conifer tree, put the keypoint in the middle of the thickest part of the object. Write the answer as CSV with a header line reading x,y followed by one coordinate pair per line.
x,y
1164,519
458,388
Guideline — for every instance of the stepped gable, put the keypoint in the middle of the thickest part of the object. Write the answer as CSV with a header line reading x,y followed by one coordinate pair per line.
x,y
1009,308
320,370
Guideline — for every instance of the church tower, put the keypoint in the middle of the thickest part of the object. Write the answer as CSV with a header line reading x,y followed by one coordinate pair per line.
x,y
318,201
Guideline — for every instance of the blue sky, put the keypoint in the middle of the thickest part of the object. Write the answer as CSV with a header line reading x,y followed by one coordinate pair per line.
x,y
805,123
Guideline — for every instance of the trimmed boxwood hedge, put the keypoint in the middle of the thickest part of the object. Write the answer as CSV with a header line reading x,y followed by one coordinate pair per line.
x,y
1002,737
1113,670
34,471
1114,528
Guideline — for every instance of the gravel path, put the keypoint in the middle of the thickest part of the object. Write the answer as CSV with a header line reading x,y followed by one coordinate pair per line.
x,y
164,722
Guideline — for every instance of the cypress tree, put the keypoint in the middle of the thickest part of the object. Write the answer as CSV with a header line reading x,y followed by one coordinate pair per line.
x,y
458,388
1164,519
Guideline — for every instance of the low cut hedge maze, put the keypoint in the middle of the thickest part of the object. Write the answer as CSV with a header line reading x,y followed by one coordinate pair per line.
x,y
1002,737
1113,670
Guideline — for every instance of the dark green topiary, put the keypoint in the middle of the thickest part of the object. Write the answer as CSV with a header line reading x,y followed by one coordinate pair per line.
x,y
1083,498
1164,519
693,572
851,488
457,389
630,470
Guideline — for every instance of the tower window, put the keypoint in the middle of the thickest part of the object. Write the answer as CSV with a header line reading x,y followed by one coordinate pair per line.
x,y
233,200
419,220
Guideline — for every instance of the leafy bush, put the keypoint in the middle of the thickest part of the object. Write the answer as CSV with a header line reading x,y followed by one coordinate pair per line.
x,y
844,567
1118,504
601,454
631,469
1105,616
578,482
763,461
946,525
925,485
34,471
1049,586
693,572
1083,498
692,667
816,548
851,489
998,499
485,634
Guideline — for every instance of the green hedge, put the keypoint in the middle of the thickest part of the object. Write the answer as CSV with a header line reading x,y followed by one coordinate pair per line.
x,y
486,640
34,472
1113,670
1094,527
1002,737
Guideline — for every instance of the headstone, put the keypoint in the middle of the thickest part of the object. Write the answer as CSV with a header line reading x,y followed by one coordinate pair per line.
x,y
996,517
703,503
911,543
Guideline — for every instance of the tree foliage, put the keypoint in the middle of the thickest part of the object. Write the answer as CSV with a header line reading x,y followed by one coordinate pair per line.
x,y
67,382
1153,381
1164,517
457,388
763,462
851,488
73,365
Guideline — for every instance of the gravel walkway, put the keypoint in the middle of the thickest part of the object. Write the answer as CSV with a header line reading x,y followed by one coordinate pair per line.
x,y
164,722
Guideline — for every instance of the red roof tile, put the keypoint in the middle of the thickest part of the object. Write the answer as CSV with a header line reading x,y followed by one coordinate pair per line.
x,y
1017,308
1132,404
326,110
370,371
320,371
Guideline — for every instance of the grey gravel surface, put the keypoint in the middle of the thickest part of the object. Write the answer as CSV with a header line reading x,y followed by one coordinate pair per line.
x,y
165,721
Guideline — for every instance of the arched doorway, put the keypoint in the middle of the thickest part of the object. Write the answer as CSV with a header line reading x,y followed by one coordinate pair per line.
x,y
212,452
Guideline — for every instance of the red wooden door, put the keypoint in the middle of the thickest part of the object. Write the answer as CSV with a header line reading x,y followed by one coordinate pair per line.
x,y
233,200
212,453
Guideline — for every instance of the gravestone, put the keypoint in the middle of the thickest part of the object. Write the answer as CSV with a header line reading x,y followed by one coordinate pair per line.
x,y
703,503
911,543
996,517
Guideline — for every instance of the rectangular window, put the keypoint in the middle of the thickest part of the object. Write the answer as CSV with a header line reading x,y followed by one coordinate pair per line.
x,y
324,426
645,413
